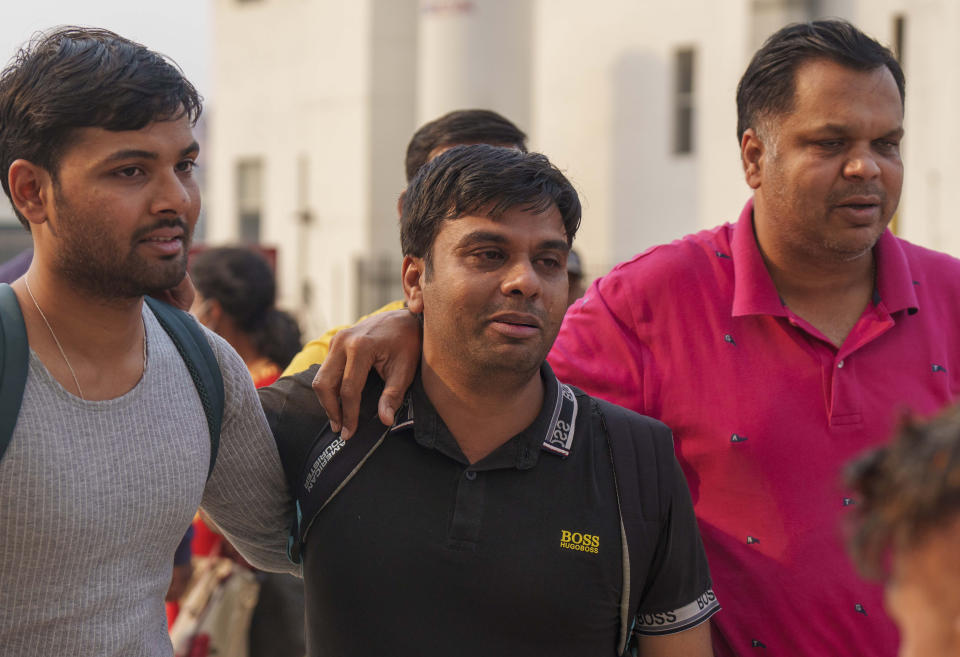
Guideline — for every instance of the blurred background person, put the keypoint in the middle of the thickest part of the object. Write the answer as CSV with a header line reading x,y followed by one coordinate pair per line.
x,y
236,298
456,128
908,531
16,266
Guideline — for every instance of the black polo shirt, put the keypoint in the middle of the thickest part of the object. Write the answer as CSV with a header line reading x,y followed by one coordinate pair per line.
x,y
421,553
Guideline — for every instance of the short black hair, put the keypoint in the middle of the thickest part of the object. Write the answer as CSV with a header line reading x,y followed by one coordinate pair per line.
x,y
244,285
767,87
482,179
75,77
472,126
907,489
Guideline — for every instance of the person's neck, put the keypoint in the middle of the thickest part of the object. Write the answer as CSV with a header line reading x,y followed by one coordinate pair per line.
x,y
830,294
102,340
85,323
482,414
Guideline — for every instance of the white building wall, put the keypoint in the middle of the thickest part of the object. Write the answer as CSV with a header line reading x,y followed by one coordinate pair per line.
x,y
474,54
329,93
603,111
308,86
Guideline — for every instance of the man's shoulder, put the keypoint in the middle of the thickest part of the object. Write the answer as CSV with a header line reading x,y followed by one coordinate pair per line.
x,y
935,276
294,411
623,424
641,450
669,266
929,262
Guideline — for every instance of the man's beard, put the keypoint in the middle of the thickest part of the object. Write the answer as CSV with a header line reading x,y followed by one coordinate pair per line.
x,y
89,259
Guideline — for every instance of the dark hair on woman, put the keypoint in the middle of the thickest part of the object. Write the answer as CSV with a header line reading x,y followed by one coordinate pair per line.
x,y
242,282
907,489
767,87
75,77
482,179
473,126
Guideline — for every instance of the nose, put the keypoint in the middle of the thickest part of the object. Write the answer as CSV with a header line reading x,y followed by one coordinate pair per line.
x,y
861,165
521,279
173,195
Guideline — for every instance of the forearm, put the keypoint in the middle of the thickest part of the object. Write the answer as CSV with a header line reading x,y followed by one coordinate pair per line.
x,y
694,642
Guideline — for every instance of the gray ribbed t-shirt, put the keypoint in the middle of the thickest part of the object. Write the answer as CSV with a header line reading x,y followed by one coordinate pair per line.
x,y
95,496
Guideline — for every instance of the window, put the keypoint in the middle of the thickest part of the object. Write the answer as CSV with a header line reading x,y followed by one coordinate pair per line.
x,y
377,282
899,36
249,199
684,62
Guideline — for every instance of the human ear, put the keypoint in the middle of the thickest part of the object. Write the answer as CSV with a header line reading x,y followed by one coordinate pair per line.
x,y
28,184
413,273
752,150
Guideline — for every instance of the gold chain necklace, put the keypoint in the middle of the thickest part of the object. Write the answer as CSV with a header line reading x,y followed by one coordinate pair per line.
x,y
26,280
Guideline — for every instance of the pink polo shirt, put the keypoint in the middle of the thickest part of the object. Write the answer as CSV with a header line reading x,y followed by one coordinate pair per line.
x,y
766,412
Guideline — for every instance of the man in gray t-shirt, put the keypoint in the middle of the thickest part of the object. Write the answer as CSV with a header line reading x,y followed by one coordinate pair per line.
x,y
108,460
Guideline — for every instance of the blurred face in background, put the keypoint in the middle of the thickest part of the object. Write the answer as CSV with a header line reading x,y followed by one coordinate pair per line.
x,y
923,595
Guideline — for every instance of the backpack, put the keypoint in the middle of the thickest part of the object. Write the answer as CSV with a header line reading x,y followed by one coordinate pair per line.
x,y
182,329
315,476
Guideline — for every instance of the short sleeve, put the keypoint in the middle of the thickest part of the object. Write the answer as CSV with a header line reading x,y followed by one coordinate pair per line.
x,y
246,495
598,348
679,593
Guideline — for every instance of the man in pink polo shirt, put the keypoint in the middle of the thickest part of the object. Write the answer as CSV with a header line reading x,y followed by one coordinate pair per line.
x,y
776,348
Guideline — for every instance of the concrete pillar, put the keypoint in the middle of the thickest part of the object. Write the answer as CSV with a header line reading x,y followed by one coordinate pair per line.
x,y
474,54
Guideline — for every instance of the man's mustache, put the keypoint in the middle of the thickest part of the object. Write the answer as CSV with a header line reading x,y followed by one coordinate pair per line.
x,y
177,222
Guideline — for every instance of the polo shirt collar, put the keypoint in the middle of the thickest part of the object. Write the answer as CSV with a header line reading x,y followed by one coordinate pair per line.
x,y
755,294
753,290
521,452
895,287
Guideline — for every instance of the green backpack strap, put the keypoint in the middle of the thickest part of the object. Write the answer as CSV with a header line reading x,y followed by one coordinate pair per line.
x,y
14,358
200,361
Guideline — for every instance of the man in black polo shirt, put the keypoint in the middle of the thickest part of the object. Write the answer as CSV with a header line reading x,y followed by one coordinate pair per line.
x,y
486,520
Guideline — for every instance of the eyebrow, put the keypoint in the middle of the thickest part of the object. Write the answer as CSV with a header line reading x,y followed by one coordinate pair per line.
x,y
133,153
488,237
839,129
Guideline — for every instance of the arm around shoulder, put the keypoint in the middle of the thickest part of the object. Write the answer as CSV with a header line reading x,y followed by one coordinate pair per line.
x,y
600,348
316,351
246,495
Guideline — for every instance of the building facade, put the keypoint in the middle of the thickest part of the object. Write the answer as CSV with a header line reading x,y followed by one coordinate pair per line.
x,y
315,101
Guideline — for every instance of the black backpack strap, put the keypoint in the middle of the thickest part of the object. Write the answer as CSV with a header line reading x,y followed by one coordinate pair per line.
x,y
627,465
201,363
14,360
317,462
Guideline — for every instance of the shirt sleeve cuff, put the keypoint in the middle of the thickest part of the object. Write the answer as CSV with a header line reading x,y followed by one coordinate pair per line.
x,y
678,620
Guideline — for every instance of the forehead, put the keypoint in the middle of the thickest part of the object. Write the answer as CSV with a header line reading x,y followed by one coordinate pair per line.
x,y
828,92
159,138
515,225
